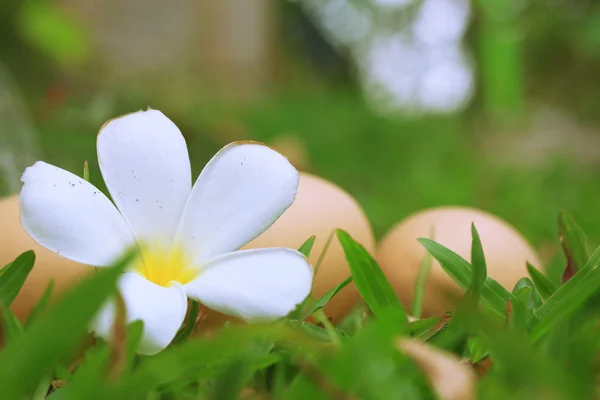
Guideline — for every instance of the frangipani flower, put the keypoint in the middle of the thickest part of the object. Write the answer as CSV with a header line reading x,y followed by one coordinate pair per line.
x,y
188,237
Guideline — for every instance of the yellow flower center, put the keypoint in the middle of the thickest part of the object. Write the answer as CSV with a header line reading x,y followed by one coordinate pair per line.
x,y
164,266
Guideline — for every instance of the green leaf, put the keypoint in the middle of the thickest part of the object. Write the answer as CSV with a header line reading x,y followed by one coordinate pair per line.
x,y
230,383
302,388
12,327
573,241
5,268
420,283
53,31
238,371
524,369
518,318
493,295
314,332
326,298
88,381
196,359
533,301
384,372
135,331
307,246
478,266
305,249
13,278
41,304
371,282
477,349
453,335
27,360
187,331
544,286
433,335
420,326
569,298
343,335
323,252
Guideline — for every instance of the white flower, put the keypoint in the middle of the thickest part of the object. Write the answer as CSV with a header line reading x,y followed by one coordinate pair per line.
x,y
188,237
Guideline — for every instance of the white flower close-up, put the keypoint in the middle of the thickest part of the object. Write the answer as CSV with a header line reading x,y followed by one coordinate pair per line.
x,y
188,237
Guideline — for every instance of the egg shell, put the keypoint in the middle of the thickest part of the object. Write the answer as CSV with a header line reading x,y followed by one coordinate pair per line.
x,y
400,255
48,266
293,148
319,209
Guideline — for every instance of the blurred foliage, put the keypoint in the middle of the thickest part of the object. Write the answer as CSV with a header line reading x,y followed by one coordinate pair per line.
x,y
526,52
49,28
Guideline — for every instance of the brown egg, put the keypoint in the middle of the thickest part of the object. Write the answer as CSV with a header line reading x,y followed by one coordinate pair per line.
x,y
320,208
400,255
293,148
14,241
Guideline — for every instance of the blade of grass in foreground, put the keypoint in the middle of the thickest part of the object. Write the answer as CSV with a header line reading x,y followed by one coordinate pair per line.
x,y
493,295
27,360
544,286
371,282
307,246
326,298
524,367
419,295
305,249
569,298
478,266
186,332
573,241
13,277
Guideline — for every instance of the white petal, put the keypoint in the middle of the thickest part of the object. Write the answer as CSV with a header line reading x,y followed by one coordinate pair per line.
x,y
145,164
239,194
69,216
161,309
254,285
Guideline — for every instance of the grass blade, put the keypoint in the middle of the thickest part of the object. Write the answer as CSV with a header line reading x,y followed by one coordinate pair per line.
x,y
371,282
13,277
323,252
566,290
326,298
419,295
305,249
573,242
569,298
41,304
544,286
307,246
187,331
493,295
28,359
525,369
478,266
11,328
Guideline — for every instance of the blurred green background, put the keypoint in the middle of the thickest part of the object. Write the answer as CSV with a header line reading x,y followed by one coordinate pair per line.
x,y
406,104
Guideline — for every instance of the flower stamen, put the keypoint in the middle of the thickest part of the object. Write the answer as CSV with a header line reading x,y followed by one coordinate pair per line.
x,y
165,266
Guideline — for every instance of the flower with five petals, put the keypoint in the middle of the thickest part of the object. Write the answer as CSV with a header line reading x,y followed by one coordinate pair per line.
x,y
188,237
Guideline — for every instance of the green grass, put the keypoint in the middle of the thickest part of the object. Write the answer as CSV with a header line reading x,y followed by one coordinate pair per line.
x,y
536,349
